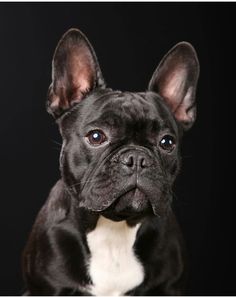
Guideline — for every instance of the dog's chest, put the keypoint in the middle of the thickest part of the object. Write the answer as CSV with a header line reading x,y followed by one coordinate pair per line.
x,y
113,266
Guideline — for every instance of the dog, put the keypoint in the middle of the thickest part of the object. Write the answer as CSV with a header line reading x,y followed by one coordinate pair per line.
x,y
107,227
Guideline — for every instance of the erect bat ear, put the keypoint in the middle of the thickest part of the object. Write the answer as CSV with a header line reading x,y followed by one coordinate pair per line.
x,y
75,72
175,80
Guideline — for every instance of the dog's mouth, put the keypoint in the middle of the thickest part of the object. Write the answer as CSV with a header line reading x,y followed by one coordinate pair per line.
x,y
135,195
132,203
135,198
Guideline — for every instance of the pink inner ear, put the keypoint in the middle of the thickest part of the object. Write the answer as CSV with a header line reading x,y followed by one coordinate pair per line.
x,y
173,86
74,73
175,80
55,102
80,73
173,90
82,70
182,113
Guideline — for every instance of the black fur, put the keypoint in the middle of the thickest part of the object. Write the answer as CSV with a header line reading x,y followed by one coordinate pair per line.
x,y
128,177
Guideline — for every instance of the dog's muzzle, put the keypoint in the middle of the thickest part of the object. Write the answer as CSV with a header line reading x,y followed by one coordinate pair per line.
x,y
128,179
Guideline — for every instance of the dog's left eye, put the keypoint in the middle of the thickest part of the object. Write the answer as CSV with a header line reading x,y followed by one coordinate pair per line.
x,y
167,143
96,137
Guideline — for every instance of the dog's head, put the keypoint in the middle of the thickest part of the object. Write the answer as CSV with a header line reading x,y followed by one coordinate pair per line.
x,y
120,151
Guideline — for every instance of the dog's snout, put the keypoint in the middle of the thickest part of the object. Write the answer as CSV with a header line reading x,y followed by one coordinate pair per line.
x,y
135,161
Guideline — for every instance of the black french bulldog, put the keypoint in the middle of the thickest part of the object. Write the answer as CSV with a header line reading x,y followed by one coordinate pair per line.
x,y
107,227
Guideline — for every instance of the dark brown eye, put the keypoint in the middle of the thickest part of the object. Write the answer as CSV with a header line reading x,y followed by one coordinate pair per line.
x,y
96,137
167,143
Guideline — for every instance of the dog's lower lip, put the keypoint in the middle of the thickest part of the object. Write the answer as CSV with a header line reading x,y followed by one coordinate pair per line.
x,y
134,189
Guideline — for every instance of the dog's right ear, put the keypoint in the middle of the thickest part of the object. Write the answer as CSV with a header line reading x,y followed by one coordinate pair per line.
x,y
75,72
175,80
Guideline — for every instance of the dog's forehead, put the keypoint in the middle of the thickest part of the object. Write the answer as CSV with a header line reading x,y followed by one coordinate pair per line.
x,y
118,109
127,107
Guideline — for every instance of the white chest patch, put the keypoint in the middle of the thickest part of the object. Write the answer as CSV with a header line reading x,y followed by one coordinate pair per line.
x,y
113,267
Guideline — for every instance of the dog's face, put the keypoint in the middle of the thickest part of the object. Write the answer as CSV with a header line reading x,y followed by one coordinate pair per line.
x,y
120,151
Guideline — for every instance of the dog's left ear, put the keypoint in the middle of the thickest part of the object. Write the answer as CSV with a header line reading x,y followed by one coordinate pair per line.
x,y
175,80
75,72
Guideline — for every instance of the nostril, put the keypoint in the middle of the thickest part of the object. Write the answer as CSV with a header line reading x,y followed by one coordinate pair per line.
x,y
129,161
133,161
142,162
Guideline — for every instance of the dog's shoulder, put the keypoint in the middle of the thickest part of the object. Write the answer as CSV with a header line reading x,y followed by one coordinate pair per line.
x,y
57,204
55,209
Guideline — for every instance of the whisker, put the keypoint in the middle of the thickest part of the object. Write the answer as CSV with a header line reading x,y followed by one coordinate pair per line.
x,y
56,142
86,182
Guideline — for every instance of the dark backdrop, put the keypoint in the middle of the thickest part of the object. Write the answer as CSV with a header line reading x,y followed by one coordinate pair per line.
x,y
129,39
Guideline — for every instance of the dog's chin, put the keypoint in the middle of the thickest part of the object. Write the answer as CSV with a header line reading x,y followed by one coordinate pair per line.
x,y
131,206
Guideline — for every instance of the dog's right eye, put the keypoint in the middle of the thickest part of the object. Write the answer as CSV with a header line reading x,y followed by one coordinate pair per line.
x,y
96,137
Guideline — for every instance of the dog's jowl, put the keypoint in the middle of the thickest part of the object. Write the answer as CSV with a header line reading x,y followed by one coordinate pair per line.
x,y
107,227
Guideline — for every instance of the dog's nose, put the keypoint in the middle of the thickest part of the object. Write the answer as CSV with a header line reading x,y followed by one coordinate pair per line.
x,y
135,160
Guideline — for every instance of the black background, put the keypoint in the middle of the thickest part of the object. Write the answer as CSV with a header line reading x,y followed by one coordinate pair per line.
x,y
129,39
